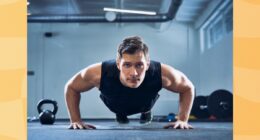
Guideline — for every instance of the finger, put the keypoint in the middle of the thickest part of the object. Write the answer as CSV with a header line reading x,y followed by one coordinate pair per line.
x,y
177,125
70,127
191,127
181,126
80,126
186,126
91,126
87,126
75,126
84,126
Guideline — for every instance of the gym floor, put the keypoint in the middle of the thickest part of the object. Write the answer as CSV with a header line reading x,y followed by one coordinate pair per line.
x,y
110,130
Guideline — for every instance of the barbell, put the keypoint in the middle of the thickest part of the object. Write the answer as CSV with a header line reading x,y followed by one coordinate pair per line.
x,y
219,104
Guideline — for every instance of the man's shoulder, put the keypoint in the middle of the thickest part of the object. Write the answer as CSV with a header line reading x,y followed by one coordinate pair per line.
x,y
94,67
92,72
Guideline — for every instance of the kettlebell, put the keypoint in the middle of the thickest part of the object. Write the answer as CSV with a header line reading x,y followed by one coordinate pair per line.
x,y
47,116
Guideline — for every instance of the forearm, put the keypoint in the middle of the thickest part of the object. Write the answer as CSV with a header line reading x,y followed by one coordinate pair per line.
x,y
186,101
72,100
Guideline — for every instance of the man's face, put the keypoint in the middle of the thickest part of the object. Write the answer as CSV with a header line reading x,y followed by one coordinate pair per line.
x,y
132,69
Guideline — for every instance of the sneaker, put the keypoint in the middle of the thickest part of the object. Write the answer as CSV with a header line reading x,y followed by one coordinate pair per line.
x,y
122,119
146,118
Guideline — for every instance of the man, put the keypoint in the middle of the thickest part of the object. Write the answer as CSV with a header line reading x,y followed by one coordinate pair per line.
x,y
130,85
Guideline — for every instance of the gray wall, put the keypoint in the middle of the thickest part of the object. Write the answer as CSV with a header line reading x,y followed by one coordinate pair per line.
x,y
215,64
216,67
75,46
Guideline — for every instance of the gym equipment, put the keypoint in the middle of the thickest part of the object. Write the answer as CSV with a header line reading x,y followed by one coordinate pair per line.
x,y
160,118
171,117
200,109
47,116
219,104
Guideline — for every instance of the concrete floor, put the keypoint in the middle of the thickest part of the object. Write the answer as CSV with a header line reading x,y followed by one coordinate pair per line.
x,y
110,130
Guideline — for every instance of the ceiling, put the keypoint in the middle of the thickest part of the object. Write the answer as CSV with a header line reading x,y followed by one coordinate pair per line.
x,y
92,10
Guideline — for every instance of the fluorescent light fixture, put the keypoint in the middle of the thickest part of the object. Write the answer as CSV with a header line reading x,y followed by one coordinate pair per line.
x,y
130,11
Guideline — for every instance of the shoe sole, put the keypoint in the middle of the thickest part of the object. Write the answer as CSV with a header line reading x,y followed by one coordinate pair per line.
x,y
121,122
148,121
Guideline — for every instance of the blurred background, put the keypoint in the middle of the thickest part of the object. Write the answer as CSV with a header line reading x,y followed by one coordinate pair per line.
x,y
65,36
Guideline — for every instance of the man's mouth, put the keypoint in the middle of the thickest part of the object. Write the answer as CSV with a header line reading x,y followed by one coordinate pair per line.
x,y
133,80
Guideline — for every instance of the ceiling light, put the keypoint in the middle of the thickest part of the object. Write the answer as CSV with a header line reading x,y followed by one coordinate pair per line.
x,y
110,16
130,11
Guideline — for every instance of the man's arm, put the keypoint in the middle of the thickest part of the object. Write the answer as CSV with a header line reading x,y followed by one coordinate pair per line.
x,y
175,81
83,81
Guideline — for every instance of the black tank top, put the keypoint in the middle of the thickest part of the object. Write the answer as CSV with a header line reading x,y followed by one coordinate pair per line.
x,y
124,100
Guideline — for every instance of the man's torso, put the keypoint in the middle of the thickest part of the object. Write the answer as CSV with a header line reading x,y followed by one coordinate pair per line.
x,y
119,98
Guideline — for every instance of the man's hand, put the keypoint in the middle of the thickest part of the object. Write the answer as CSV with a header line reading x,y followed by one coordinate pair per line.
x,y
178,125
81,125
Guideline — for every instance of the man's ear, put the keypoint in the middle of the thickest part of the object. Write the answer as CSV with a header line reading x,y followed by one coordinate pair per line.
x,y
118,63
148,64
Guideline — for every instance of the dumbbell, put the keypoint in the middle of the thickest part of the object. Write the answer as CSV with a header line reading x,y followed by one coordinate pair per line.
x,y
219,104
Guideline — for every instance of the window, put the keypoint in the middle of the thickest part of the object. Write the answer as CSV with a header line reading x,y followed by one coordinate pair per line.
x,y
229,20
219,24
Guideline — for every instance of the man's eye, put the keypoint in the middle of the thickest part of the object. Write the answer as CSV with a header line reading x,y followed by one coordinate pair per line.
x,y
127,65
139,65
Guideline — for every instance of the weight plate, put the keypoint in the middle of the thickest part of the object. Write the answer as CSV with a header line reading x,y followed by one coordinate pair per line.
x,y
220,104
199,108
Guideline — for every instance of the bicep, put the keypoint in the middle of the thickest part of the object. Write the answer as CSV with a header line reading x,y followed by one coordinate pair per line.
x,y
174,80
79,84
86,79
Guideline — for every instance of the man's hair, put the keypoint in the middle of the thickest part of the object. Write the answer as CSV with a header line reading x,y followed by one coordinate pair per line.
x,y
131,45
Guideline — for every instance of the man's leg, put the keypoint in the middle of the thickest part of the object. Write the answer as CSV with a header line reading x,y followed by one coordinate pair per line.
x,y
146,117
122,119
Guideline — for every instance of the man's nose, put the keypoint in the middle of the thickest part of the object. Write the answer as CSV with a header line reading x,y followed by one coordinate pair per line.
x,y
133,72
